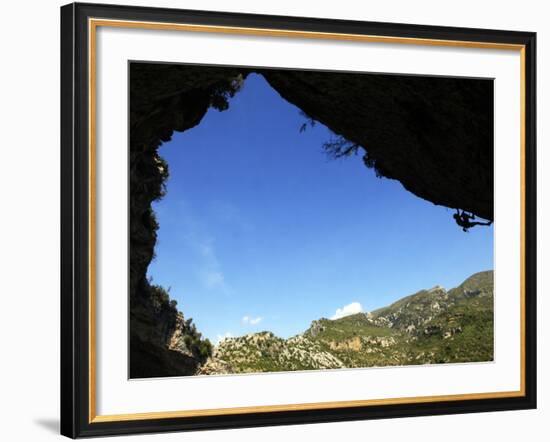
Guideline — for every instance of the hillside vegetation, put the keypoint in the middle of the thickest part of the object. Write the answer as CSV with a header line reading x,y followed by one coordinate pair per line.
x,y
429,327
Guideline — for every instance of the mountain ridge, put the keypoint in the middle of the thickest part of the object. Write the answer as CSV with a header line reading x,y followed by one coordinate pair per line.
x,y
430,326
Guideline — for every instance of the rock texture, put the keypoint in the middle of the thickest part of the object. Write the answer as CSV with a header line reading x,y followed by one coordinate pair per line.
x,y
433,135
162,342
263,352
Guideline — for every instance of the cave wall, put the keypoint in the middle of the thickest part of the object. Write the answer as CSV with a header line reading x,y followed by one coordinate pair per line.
x,y
434,135
163,98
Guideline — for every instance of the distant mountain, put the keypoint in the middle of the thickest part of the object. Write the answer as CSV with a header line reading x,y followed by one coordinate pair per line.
x,y
428,327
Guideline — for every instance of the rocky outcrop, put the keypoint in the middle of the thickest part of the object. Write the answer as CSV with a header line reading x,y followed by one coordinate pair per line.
x,y
315,328
433,135
155,344
262,352
362,343
417,314
411,313
162,341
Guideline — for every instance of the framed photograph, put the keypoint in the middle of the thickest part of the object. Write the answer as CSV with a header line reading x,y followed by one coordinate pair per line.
x,y
274,220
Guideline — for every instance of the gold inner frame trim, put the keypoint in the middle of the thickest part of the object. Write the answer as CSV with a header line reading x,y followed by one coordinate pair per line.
x,y
93,24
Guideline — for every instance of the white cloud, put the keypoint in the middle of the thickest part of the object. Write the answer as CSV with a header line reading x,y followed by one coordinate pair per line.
x,y
350,309
220,338
252,321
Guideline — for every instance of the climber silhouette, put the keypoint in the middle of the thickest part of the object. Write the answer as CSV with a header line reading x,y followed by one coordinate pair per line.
x,y
465,220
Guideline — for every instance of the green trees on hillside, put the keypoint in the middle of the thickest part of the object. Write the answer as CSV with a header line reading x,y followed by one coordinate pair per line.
x,y
193,339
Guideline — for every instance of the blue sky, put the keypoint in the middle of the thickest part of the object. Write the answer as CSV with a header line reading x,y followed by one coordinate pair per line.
x,y
260,230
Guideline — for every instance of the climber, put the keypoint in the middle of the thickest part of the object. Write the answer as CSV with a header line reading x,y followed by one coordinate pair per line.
x,y
464,220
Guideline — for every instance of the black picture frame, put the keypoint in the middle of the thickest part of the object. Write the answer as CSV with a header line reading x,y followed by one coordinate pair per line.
x,y
75,219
